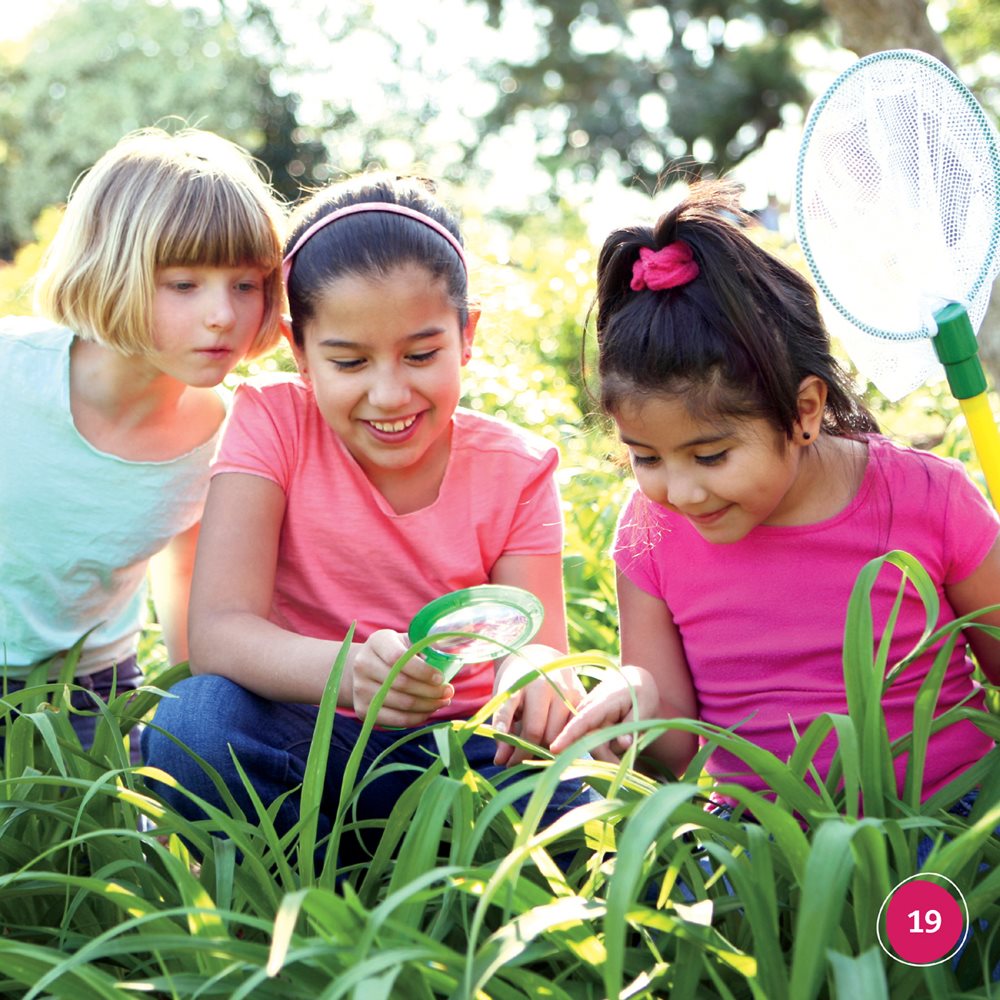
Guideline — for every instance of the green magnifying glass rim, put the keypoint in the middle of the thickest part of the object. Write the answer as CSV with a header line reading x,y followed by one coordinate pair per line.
x,y
516,599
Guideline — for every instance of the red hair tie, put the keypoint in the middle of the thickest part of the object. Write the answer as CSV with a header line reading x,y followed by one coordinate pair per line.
x,y
668,267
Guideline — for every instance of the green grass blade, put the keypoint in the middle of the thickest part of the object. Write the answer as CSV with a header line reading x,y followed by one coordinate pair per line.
x,y
316,765
861,976
823,895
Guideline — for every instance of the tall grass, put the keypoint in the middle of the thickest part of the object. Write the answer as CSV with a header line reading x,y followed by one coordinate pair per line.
x,y
640,894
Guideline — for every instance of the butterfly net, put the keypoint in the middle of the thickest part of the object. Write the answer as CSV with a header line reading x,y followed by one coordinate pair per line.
x,y
896,199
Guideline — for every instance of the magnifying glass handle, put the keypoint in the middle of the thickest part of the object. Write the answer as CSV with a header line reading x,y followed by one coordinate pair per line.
x,y
452,669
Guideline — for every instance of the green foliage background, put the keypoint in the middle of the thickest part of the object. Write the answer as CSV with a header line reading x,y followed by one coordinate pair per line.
x,y
99,893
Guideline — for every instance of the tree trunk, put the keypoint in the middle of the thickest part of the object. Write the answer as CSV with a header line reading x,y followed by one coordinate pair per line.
x,y
868,26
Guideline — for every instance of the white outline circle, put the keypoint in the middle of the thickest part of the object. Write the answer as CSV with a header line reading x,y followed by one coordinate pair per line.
x,y
963,937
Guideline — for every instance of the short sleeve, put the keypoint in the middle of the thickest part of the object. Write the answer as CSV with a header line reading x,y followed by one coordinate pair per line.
x,y
636,538
970,526
259,434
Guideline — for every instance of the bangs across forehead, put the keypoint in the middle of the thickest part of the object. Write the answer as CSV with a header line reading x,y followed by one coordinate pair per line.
x,y
708,396
214,224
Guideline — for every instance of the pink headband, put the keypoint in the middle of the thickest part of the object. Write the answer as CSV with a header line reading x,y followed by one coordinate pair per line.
x,y
370,206
669,267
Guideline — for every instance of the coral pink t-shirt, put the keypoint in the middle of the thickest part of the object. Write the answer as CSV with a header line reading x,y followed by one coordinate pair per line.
x,y
345,556
762,619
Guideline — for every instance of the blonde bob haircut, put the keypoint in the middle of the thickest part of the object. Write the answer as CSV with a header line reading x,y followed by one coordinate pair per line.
x,y
158,199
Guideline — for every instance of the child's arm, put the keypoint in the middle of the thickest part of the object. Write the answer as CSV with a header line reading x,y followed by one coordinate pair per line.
x,y
979,590
231,598
536,712
170,576
655,673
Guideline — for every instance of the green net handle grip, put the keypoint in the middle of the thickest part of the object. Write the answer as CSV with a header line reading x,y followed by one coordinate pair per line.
x,y
956,348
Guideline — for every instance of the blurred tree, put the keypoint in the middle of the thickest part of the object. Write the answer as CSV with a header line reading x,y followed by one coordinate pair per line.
x,y
100,68
647,86
395,85
16,277
973,38
867,26
969,41
641,86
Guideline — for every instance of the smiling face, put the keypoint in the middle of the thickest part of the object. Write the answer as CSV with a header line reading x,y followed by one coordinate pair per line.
x,y
725,476
384,358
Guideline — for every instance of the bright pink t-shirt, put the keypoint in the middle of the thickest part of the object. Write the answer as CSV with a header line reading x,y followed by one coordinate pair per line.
x,y
762,619
344,555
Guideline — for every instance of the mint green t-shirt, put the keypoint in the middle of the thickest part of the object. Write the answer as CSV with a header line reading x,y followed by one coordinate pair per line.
x,y
77,526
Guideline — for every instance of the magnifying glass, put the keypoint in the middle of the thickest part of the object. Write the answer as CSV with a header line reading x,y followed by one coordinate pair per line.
x,y
493,620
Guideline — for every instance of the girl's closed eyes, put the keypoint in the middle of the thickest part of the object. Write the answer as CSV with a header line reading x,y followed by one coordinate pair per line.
x,y
354,364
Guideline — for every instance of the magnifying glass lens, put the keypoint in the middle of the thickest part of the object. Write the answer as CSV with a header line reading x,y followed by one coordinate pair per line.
x,y
495,622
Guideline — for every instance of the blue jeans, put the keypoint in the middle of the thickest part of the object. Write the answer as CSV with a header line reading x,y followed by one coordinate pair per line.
x,y
272,739
125,676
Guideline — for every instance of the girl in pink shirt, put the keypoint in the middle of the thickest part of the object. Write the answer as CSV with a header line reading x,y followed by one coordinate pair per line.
x,y
355,493
764,487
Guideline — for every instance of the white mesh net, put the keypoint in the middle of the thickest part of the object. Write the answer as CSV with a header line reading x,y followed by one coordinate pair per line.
x,y
897,209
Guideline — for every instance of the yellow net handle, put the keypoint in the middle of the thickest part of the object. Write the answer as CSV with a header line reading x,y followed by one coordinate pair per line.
x,y
985,438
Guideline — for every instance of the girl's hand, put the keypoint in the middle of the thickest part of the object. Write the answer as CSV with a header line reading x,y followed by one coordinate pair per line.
x,y
417,692
614,700
535,713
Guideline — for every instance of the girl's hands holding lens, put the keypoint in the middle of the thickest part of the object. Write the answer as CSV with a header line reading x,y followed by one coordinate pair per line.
x,y
417,692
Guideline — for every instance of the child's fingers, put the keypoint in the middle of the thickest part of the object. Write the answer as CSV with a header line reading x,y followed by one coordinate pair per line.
x,y
606,754
401,710
560,712
503,755
534,714
503,721
414,699
588,718
404,701
416,673
381,652
583,722
388,646
530,728
413,688
503,717
621,743
539,715
391,718
416,692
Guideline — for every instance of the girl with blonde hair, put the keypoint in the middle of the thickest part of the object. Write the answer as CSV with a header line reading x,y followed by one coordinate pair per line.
x,y
163,276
